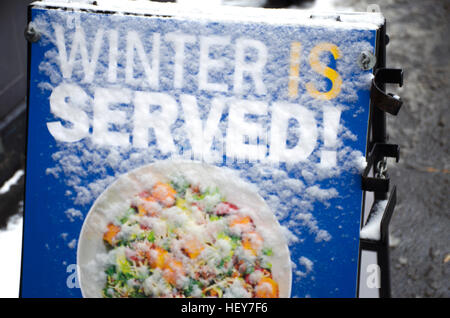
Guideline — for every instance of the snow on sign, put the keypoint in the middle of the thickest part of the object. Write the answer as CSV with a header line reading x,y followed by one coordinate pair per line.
x,y
176,152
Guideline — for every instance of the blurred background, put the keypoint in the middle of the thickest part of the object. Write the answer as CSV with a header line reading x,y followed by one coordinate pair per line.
x,y
419,231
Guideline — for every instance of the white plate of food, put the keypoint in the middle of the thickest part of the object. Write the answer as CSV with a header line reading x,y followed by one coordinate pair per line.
x,y
182,229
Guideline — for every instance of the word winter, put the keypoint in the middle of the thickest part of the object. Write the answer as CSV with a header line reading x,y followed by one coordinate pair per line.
x,y
244,58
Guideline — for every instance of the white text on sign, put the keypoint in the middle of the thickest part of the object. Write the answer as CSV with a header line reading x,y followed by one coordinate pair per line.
x,y
82,116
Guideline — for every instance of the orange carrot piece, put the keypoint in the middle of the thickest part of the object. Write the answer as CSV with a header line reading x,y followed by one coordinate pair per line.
x,y
109,235
172,270
193,248
157,257
142,211
240,220
164,193
253,242
266,288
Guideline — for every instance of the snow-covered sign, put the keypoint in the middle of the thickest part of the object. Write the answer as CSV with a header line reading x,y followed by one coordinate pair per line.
x,y
182,152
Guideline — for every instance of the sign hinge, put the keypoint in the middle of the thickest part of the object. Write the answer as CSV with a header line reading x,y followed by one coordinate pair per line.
x,y
380,182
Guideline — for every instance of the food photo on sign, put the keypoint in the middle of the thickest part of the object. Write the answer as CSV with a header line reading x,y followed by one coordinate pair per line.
x,y
176,151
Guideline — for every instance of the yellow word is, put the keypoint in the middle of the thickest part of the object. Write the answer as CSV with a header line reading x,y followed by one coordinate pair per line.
x,y
318,67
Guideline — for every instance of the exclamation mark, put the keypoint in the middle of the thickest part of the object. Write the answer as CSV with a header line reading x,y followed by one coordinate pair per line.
x,y
294,69
331,118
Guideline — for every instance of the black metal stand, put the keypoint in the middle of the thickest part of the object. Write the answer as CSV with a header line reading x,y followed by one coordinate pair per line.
x,y
381,247
375,178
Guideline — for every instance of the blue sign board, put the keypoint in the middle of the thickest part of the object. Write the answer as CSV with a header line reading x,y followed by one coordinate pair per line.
x,y
175,155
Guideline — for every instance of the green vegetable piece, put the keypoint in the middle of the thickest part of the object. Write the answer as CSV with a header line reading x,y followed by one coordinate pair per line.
x,y
122,243
236,239
124,220
213,217
198,197
126,216
124,264
180,185
105,293
267,265
223,261
223,236
267,251
151,237
124,277
190,287
111,270
249,270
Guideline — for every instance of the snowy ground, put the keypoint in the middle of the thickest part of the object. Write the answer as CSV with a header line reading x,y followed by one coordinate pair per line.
x,y
11,246
420,256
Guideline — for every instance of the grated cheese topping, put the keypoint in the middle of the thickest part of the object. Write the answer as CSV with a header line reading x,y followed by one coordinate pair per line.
x,y
179,239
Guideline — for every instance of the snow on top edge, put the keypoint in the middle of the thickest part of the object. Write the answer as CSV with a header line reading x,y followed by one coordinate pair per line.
x,y
343,20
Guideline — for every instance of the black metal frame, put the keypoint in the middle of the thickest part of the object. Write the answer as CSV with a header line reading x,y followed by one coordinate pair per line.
x,y
26,146
377,151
